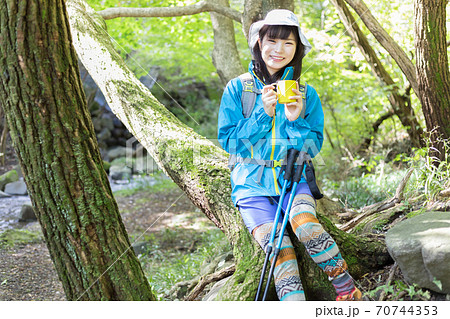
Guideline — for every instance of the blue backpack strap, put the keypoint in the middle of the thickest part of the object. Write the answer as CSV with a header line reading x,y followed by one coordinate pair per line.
x,y
249,93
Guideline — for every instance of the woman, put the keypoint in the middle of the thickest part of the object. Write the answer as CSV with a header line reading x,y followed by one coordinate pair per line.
x,y
278,47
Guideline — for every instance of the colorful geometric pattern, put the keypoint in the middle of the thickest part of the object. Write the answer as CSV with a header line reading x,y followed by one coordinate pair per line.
x,y
286,275
319,244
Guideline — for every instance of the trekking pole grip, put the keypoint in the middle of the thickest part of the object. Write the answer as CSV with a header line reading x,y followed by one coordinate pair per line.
x,y
299,171
291,157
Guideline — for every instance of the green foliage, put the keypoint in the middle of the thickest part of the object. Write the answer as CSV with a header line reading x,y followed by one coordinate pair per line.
x,y
159,184
165,267
430,175
395,291
177,44
366,189
352,98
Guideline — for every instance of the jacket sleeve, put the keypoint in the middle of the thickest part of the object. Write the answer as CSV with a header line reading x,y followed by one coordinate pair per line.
x,y
307,134
235,133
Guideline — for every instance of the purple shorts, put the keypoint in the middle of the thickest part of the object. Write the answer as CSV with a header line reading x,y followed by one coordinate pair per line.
x,y
259,210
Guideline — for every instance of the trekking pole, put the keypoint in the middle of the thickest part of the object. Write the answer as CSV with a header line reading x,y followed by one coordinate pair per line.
x,y
296,179
290,161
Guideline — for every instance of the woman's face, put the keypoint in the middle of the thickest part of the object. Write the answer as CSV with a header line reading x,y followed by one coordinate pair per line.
x,y
277,53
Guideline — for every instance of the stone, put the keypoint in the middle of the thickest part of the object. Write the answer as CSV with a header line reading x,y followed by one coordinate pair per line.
x,y
104,134
421,247
8,177
141,247
16,188
212,294
18,169
27,213
3,195
116,152
120,172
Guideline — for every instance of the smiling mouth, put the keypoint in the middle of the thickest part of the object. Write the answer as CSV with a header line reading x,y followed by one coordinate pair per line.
x,y
277,58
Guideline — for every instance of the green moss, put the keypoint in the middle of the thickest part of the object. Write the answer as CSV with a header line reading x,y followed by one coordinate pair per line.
x,y
415,213
12,237
380,224
106,165
8,177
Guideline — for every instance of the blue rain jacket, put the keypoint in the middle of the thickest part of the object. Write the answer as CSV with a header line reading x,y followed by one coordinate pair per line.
x,y
263,137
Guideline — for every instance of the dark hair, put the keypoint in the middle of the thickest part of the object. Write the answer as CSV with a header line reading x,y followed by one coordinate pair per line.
x,y
277,32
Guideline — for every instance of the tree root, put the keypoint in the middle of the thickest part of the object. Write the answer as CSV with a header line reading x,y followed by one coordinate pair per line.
x,y
205,280
379,207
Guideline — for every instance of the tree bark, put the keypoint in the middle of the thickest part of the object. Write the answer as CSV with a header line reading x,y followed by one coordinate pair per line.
x,y
386,41
400,103
269,5
199,7
52,133
432,68
225,55
194,163
252,13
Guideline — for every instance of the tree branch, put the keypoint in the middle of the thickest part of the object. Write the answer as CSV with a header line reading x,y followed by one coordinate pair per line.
x,y
375,126
226,272
379,207
386,41
402,110
199,7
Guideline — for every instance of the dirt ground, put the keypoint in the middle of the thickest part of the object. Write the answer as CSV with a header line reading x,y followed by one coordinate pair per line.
x,y
27,272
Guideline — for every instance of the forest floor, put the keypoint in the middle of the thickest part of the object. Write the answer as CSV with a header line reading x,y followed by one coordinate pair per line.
x,y
178,241
26,269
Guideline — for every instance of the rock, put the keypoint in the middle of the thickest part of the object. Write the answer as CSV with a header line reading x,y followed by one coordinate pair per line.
x,y
16,188
120,172
141,247
8,177
27,213
18,169
117,152
3,195
212,294
104,134
421,247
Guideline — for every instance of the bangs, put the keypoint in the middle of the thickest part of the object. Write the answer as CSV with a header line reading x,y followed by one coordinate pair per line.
x,y
278,32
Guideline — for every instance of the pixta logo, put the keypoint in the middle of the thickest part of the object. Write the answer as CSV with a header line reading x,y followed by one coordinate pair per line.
x,y
138,159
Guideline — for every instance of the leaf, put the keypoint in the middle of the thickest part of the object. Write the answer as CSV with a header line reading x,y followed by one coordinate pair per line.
x,y
438,283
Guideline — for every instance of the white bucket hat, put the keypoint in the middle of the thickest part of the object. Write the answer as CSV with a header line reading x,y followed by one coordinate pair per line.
x,y
277,17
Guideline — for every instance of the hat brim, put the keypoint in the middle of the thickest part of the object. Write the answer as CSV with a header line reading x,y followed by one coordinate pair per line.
x,y
253,34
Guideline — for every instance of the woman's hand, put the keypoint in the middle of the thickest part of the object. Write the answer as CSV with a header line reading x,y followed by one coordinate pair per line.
x,y
293,110
269,99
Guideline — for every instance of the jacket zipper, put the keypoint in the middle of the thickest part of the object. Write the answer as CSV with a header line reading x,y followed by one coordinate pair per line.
x,y
274,135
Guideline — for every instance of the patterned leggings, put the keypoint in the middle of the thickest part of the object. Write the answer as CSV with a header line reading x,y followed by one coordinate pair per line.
x,y
319,245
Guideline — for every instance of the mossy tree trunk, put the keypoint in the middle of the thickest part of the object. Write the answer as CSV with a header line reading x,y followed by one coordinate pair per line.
x,y
52,133
432,68
193,162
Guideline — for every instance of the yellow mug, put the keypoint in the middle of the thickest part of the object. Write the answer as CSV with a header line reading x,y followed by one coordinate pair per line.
x,y
284,91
